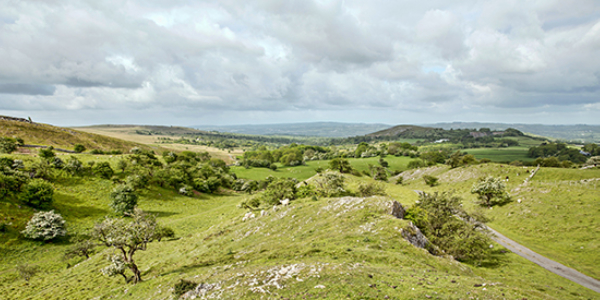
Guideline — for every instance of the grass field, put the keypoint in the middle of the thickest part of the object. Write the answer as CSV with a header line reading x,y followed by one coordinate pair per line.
x,y
326,249
309,170
557,216
501,154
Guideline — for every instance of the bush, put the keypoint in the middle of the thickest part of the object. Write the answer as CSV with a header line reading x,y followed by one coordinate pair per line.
x,y
38,193
330,184
45,225
183,286
491,191
47,153
74,166
371,189
162,232
278,190
79,148
83,246
7,145
416,163
400,180
103,170
430,180
124,199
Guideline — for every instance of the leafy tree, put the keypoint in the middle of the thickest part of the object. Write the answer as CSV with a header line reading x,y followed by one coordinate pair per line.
x,y
340,164
124,199
378,173
278,190
79,148
7,145
491,190
330,184
103,169
38,193
127,238
45,225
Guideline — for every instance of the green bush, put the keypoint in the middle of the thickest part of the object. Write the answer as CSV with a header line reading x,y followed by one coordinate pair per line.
x,y
124,199
45,225
416,163
79,148
47,153
103,170
162,232
7,145
38,193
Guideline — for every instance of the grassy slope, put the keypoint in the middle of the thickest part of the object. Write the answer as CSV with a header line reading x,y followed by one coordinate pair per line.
x,y
501,154
43,134
557,216
335,243
128,132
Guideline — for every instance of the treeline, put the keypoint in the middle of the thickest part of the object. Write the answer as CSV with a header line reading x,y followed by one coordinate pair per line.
x,y
560,154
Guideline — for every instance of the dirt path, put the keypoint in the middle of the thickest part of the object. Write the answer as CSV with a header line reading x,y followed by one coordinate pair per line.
x,y
546,263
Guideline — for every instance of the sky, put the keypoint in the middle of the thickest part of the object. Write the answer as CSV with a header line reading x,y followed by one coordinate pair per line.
x,y
177,62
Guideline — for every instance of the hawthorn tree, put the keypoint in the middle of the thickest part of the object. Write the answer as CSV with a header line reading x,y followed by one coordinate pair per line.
x,y
127,238
491,190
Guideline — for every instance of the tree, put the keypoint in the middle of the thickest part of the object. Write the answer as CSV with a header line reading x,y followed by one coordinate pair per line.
x,y
340,164
45,225
330,184
38,193
124,199
79,148
491,190
127,238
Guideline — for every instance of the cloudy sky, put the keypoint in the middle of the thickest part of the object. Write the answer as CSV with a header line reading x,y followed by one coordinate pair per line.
x,y
177,62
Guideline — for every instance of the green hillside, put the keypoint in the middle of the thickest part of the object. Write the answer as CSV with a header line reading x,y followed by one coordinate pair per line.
x,y
59,137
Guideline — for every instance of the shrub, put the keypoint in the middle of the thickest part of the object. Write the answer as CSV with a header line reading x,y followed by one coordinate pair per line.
x,y
103,170
371,189
38,193
400,180
124,199
416,163
47,153
183,286
330,184
79,148
74,166
45,225
491,191
7,145
162,232
430,180
278,190
57,163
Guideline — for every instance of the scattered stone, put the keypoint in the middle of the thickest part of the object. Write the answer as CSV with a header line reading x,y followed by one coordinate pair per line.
x,y
285,202
320,286
263,213
248,216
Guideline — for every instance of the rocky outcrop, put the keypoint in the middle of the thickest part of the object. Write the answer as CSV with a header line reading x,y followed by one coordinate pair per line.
x,y
397,210
414,236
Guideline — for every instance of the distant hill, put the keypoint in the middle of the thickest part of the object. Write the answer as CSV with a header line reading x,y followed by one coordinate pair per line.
x,y
578,133
318,129
59,137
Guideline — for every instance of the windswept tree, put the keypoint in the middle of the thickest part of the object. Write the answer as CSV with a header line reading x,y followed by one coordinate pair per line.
x,y
340,164
127,238
491,190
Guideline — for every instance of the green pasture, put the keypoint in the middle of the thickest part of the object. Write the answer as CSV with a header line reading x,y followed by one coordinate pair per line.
x,y
500,154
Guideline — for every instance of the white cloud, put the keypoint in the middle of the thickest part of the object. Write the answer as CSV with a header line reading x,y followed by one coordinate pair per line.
x,y
320,57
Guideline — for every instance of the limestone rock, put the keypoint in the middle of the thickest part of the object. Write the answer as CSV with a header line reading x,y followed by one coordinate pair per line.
x,y
397,210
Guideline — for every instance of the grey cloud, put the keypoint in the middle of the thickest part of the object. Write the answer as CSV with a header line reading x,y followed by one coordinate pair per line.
x,y
27,89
